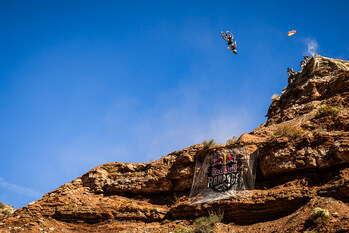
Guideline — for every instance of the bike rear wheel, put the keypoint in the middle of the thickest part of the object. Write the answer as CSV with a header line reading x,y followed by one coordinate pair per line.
x,y
228,33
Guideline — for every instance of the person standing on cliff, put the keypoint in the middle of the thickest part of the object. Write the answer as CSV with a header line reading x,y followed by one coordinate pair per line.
x,y
291,75
290,72
306,59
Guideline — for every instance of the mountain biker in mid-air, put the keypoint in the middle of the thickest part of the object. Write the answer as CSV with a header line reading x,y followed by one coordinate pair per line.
x,y
228,36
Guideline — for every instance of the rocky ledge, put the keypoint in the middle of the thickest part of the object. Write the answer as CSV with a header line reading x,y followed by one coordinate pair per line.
x,y
5,210
303,163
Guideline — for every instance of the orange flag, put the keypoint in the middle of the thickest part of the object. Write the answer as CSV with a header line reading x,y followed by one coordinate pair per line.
x,y
290,33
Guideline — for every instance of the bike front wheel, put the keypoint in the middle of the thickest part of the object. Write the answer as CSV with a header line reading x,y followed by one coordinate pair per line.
x,y
224,35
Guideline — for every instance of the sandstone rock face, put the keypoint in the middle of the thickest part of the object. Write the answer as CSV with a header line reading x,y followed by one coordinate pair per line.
x,y
324,140
322,81
303,164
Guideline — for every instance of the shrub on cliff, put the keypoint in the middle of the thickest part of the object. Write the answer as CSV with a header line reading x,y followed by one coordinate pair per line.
x,y
206,224
320,216
326,110
275,97
5,209
290,131
231,141
209,143
181,229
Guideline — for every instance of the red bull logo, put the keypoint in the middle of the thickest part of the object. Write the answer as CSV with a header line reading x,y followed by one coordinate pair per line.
x,y
224,164
223,173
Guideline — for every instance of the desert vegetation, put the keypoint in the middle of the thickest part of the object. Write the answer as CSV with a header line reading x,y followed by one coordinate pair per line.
x,y
181,229
5,210
287,130
206,224
231,141
275,97
327,110
202,224
320,216
209,143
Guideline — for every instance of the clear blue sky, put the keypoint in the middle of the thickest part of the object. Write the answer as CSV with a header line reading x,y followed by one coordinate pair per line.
x,y
88,82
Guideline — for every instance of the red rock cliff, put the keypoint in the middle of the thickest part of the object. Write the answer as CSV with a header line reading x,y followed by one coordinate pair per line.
x,y
303,164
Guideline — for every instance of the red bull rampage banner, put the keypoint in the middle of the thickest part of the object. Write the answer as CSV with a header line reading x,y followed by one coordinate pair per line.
x,y
222,173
